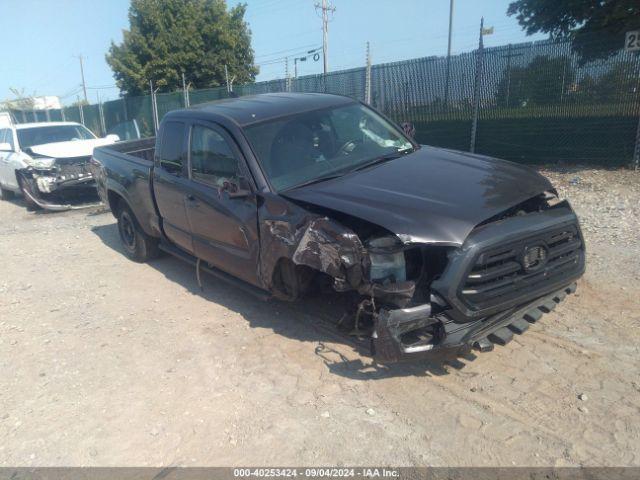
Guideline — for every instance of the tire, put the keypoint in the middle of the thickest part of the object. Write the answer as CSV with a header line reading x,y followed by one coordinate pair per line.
x,y
138,246
7,194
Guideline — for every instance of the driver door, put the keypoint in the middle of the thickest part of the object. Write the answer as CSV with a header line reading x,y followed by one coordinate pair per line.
x,y
223,225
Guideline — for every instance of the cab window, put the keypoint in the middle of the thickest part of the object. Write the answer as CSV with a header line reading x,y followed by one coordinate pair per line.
x,y
212,160
170,154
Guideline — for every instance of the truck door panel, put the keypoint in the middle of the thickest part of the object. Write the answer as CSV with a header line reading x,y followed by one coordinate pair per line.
x,y
170,179
223,229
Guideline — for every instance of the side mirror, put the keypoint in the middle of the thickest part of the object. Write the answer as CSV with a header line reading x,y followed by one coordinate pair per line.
x,y
6,147
113,137
241,189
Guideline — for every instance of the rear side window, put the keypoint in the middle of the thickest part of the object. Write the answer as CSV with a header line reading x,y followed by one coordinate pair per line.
x,y
170,154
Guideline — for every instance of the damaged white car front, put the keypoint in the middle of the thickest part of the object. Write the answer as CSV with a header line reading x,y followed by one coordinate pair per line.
x,y
48,163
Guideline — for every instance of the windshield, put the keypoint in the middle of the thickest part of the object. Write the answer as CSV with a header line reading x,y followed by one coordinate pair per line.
x,y
28,137
322,143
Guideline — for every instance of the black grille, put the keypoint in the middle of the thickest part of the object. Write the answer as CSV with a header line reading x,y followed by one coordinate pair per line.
x,y
499,273
73,167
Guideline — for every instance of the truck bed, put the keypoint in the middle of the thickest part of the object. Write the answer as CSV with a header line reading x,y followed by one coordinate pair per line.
x,y
142,149
124,170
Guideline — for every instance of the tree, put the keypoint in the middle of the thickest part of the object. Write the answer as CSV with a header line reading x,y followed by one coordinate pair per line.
x,y
81,102
23,101
169,37
618,85
596,27
544,81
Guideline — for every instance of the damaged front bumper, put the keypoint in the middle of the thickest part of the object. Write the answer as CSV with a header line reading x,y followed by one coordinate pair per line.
x,y
64,186
489,289
412,333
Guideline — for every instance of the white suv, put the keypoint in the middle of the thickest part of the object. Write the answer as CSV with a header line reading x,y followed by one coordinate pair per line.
x,y
45,161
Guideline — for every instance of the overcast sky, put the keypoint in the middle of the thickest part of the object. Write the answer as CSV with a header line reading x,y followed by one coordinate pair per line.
x,y
45,37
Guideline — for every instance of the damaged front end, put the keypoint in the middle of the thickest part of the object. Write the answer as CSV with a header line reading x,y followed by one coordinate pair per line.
x,y
58,183
415,299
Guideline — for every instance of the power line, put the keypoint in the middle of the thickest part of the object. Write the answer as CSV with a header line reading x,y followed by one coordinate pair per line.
x,y
287,50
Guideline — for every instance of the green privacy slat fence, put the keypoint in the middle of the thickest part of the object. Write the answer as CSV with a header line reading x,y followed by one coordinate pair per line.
x,y
536,102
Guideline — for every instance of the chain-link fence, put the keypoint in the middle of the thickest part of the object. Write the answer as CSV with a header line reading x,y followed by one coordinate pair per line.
x,y
532,102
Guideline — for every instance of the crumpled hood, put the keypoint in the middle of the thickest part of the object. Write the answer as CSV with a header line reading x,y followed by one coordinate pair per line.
x,y
73,148
432,195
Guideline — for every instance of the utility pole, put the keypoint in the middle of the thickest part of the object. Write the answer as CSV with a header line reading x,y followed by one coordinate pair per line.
x,y
326,8
446,85
84,85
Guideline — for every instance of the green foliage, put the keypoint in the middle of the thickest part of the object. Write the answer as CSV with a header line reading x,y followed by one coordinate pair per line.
x,y
544,81
82,102
617,85
169,37
597,27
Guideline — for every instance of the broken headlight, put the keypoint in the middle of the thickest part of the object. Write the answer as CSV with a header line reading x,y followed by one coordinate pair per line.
x,y
40,162
387,260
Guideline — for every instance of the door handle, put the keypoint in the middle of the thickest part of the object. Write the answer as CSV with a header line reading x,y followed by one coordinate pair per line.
x,y
190,198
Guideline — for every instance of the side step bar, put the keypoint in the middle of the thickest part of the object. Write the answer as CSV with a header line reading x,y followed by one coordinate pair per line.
x,y
190,259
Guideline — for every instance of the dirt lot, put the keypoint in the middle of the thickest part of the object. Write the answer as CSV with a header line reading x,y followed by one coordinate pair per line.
x,y
108,362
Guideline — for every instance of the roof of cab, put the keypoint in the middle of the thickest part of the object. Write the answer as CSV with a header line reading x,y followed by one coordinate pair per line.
x,y
267,106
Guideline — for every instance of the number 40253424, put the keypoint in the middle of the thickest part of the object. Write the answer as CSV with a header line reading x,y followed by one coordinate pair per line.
x,y
632,41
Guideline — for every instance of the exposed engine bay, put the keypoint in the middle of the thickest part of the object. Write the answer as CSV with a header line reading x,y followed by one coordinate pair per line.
x,y
403,295
58,183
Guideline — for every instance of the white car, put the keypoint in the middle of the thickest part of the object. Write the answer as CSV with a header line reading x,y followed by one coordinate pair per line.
x,y
46,161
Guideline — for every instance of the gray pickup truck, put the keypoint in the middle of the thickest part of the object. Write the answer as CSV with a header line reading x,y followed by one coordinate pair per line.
x,y
436,251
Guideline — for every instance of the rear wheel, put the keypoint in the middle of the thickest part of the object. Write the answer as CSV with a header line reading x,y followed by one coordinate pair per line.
x,y
6,194
138,246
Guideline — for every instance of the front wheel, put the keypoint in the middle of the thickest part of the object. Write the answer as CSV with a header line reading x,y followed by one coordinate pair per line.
x,y
138,246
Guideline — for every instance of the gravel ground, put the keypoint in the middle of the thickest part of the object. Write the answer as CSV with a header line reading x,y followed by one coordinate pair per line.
x,y
106,362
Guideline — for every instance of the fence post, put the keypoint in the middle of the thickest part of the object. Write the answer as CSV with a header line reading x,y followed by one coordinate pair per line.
x,y
185,92
476,91
636,151
103,125
154,108
287,78
367,78
81,111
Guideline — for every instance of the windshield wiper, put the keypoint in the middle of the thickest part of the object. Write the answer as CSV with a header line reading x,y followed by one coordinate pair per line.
x,y
316,180
383,158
